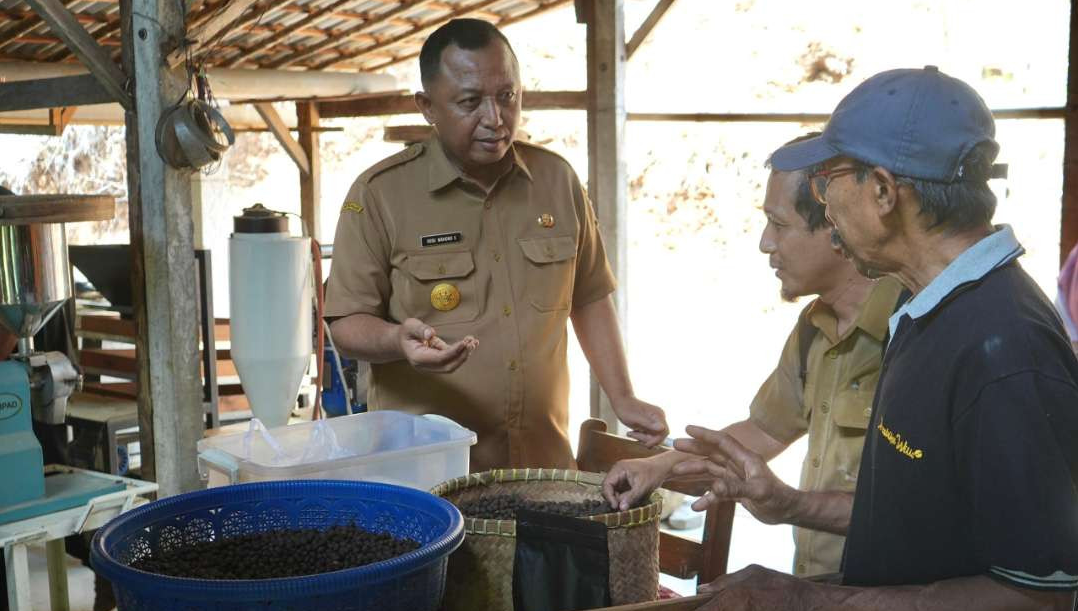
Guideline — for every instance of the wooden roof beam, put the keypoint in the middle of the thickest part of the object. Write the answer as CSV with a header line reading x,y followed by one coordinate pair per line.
x,y
37,39
93,55
277,48
273,29
280,131
15,14
538,9
645,28
417,31
405,5
200,36
338,14
204,12
232,84
404,104
290,29
53,93
27,25
488,15
112,27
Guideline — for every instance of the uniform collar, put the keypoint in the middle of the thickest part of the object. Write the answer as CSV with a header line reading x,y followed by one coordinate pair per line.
x,y
994,250
872,319
442,172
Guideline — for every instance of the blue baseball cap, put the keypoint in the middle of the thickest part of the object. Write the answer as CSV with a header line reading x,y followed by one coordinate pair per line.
x,y
916,123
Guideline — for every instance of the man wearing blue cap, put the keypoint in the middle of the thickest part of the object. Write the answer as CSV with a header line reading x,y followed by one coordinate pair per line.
x,y
967,490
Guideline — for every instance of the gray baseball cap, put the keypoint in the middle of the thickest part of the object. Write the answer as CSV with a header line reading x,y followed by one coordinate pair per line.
x,y
917,123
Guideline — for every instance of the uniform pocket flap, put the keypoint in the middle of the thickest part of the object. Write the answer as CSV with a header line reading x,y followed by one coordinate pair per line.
x,y
852,409
436,265
548,250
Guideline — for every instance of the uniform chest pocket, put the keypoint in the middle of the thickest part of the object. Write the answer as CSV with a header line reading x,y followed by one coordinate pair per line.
x,y
853,404
438,288
551,267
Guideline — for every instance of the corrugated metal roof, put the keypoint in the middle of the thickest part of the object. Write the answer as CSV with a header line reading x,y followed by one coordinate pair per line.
x,y
364,35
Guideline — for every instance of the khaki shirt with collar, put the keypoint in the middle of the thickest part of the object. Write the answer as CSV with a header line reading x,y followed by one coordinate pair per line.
x,y
833,407
520,258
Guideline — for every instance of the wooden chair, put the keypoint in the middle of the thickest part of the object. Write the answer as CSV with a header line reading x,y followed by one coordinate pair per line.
x,y
678,556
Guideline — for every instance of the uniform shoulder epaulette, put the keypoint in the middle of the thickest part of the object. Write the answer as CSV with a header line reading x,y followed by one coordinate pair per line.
x,y
542,149
392,161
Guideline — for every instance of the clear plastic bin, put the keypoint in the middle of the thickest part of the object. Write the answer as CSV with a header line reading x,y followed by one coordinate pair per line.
x,y
382,446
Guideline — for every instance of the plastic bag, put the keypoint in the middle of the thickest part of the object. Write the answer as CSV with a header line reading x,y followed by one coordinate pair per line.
x,y
561,563
321,445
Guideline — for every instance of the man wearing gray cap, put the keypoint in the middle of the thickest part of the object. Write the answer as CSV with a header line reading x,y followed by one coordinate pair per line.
x,y
967,490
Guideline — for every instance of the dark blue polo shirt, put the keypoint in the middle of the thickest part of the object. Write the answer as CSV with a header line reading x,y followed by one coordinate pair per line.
x,y
970,460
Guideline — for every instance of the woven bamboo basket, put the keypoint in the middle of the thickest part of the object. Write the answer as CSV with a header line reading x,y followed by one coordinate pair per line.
x,y
480,572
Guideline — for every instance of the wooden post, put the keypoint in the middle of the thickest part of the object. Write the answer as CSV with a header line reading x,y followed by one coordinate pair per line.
x,y
163,266
607,183
1068,217
55,559
310,183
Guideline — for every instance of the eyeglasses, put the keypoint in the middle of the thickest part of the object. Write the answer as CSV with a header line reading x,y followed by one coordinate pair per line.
x,y
821,179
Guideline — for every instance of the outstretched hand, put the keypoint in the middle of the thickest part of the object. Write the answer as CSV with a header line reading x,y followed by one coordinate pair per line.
x,y
425,351
737,475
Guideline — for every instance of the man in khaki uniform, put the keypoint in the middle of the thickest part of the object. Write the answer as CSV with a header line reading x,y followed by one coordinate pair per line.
x,y
825,391
458,261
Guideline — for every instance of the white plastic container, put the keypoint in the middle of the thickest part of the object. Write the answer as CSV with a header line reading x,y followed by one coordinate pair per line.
x,y
383,446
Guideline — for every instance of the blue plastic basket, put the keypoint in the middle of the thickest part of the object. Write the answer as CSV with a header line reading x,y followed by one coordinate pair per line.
x,y
415,580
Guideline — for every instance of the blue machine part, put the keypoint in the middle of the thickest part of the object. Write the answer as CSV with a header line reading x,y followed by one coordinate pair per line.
x,y
26,491
333,397
20,453
62,491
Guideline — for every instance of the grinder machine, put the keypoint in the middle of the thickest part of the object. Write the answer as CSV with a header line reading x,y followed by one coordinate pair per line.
x,y
35,282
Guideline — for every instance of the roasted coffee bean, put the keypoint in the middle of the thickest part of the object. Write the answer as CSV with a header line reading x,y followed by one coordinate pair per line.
x,y
504,507
276,554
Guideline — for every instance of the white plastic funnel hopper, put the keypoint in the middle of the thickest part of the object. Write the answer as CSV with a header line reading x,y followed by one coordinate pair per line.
x,y
271,316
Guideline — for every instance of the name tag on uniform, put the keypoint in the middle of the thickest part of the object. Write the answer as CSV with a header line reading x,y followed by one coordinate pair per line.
x,y
438,239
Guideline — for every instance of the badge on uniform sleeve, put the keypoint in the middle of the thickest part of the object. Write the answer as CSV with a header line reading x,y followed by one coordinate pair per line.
x,y
444,297
352,207
546,220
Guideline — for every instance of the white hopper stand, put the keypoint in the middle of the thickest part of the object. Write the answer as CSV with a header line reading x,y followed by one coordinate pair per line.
x,y
271,315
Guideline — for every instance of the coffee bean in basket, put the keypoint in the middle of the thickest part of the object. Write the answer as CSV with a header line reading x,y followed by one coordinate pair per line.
x,y
277,554
504,507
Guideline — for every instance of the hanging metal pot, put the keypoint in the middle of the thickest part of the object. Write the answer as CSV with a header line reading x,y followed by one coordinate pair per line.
x,y
193,134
